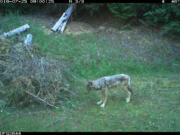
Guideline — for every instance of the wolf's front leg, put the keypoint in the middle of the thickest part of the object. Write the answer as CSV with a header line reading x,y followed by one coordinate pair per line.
x,y
102,97
105,94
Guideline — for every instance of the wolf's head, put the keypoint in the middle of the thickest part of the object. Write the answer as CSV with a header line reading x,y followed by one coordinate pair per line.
x,y
89,86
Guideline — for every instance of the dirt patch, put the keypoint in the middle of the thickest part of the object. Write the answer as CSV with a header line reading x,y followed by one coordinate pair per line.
x,y
77,28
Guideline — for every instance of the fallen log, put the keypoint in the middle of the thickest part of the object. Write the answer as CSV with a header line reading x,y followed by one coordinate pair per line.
x,y
62,27
68,13
58,23
15,31
28,40
61,23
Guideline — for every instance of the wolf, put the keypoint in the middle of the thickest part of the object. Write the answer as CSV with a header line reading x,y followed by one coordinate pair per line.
x,y
106,82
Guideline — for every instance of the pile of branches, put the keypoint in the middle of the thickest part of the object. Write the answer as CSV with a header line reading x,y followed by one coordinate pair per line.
x,y
26,77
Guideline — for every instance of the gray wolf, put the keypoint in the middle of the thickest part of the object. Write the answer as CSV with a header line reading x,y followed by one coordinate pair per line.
x,y
106,82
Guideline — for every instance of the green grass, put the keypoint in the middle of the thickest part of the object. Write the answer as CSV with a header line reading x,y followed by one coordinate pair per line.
x,y
155,106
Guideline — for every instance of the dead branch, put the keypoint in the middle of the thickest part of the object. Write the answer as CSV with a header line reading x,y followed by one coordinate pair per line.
x,y
40,99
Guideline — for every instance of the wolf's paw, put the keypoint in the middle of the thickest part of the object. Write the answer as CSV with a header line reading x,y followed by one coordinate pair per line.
x,y
99,102
102,105
127,100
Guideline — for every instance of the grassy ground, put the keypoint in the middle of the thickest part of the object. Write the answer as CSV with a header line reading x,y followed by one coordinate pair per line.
x,y
155,106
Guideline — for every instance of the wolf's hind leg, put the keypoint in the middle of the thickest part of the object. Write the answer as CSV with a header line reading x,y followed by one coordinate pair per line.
x,y
128,89
129,97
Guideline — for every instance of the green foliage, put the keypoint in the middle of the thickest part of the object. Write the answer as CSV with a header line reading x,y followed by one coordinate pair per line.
x,y
92,9
166,15
21,8
163,16
123,11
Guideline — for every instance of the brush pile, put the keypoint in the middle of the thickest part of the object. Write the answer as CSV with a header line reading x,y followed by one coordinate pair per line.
x,y
26,77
